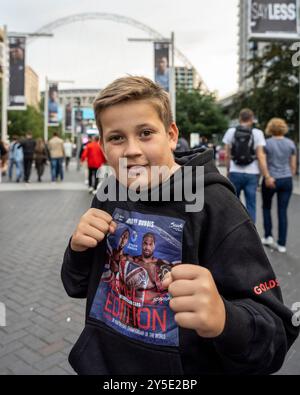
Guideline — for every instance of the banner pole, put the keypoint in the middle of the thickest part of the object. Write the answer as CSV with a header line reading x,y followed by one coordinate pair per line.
x,y
4,87
46,111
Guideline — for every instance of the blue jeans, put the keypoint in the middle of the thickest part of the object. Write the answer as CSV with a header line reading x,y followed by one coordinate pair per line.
x,y
247,183
19,169
284,189
57,169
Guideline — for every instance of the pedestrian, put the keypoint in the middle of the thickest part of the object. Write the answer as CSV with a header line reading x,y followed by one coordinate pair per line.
x,y
57,153
28,145
40,158
68,147
282,163
178,293
85,142
245,158
3,155
16,159
95,159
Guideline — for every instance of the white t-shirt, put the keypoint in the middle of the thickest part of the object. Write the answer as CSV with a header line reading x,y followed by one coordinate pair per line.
x,y
68,149
259,140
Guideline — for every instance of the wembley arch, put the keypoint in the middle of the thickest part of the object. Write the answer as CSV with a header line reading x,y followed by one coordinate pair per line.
x,y
50,27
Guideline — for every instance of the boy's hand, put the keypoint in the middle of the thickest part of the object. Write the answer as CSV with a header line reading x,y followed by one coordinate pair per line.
x,y
92,228
196,300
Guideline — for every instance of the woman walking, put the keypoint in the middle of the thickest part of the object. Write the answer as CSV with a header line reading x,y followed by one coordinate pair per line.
x,y
281,160
40,157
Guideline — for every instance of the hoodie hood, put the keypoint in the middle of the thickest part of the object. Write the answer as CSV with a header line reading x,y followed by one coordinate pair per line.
x,y
204,157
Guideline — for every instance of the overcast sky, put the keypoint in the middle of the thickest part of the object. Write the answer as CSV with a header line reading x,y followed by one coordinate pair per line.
x,y
94,52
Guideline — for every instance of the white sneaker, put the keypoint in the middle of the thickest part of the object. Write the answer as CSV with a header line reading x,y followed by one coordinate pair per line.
x,y
94,191
268,241
91,189
281,249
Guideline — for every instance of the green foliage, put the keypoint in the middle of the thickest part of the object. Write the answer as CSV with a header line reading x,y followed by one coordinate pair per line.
x,y
21,122
198,112
275,87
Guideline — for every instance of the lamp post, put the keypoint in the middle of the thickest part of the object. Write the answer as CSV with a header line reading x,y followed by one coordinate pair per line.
x,y
5,72
4,85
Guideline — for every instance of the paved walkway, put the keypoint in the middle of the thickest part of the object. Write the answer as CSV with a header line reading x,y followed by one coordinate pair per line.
x,y
42,321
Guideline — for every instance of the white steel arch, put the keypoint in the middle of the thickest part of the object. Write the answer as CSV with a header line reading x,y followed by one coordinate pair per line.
x,y
50,27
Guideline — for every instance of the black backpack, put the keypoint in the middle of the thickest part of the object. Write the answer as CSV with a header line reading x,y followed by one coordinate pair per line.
x,y
242,148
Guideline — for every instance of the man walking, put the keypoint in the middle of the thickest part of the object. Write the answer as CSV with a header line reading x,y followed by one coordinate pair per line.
x,y
57,153
28,145
245,158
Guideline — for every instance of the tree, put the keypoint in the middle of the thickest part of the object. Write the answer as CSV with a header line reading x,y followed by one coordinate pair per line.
x,y
198,112
21,122
275,87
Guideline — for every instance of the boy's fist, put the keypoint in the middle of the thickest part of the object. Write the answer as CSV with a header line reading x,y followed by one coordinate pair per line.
x,y
92,228
196,300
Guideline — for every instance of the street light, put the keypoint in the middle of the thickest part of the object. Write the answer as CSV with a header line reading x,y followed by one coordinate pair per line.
x,y
5,72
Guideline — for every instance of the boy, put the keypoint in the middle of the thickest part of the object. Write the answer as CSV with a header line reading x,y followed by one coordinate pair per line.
x,y
169,291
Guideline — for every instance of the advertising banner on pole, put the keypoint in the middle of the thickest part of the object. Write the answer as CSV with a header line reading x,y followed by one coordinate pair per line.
x,y
273,19
161,65
68,117
53,104
16,97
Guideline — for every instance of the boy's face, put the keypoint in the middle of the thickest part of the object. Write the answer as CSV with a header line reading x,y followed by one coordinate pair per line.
x,y
134,131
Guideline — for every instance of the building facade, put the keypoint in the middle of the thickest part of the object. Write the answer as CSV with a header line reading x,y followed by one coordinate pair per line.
x,y
186,78
32,93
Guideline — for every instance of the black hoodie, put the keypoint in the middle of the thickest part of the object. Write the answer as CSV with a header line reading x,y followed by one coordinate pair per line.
x,y
130,328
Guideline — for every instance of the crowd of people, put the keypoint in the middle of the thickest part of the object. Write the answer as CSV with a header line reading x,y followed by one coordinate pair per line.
x,y
248,157
18,156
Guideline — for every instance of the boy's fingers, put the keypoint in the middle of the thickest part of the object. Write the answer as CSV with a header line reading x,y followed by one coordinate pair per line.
x,y
101,214
98,224
88,242
94,233
187,272
167,280
112,227
183,304
183,288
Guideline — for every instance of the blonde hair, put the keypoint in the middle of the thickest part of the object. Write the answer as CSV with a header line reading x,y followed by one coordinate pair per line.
x,y
277,127
132,88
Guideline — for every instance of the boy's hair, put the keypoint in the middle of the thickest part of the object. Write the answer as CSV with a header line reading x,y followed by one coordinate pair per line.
x,y
133,88
246,115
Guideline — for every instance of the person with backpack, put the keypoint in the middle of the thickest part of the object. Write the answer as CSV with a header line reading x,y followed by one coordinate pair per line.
x,y
245,158
16,158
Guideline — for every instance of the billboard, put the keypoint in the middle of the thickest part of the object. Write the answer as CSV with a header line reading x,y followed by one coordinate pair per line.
x,y
16,95
161,65
68,117
273,19
53,104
